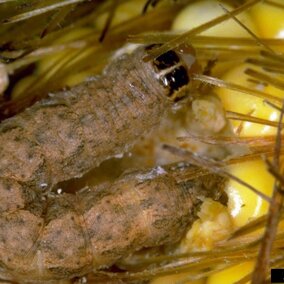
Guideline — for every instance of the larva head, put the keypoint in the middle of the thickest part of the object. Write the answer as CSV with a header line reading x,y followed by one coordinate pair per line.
x,y
174,69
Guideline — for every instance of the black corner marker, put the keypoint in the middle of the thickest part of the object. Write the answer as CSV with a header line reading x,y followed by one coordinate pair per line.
x,y
277,275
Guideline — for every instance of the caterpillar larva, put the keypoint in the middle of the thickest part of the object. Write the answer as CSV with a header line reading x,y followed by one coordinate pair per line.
x,y
67,135
73,234
73,131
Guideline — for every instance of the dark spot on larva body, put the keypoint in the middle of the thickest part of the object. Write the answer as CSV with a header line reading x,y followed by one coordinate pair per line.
x,y
146,203
30,155
165,206
161,223
11,124
57,233
157,188
17,138
2,239
108,237
7,186
61,116
63,272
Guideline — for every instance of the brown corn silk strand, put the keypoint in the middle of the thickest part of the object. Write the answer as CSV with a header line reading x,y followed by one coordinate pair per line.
x,y
39,11
251,33
262,264
108,21
188,35
56,19
212,165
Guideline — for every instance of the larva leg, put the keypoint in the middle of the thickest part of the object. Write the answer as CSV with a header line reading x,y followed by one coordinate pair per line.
x,y
143,209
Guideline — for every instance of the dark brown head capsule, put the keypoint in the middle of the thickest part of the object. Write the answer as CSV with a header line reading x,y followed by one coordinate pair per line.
x,y
174,69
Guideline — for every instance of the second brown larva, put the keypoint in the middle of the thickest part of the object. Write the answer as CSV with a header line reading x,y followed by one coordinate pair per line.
x,y
71,235
66,136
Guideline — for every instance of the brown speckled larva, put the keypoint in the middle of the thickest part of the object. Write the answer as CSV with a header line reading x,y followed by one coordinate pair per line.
x,y
73,234
67,135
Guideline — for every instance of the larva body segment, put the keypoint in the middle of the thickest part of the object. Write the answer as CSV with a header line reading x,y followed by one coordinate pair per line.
x,y
98,226
70,133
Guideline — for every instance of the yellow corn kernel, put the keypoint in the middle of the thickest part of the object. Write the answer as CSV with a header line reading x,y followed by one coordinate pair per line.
x,y
244,205
269,19
247,104
209,112
206,10
214,224
232,274
174,279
